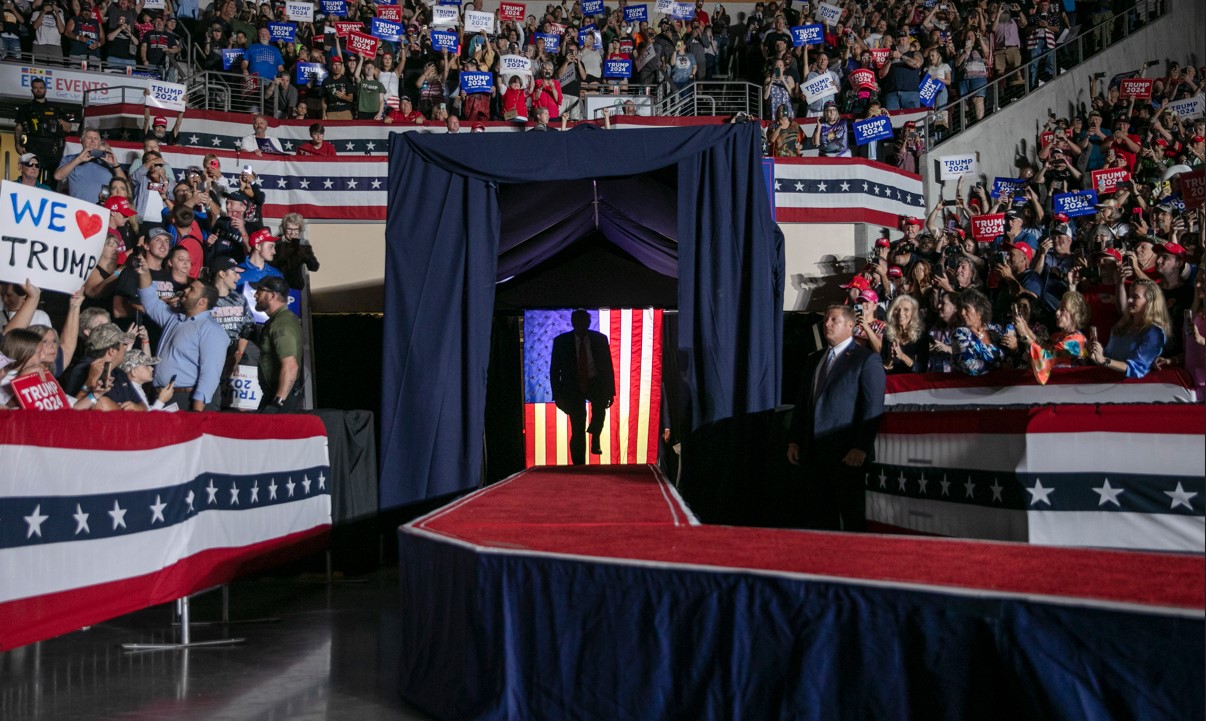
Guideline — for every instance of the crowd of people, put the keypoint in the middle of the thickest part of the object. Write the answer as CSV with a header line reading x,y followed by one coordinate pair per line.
x,y
1115,284
190,285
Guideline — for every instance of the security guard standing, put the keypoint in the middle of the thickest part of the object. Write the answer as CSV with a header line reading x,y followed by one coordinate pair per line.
x,y
40,130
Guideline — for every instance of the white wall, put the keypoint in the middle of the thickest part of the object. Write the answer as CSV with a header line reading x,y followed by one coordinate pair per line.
x,y
1012,132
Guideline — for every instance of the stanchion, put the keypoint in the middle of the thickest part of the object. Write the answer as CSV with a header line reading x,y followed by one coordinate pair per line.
x,y
186,642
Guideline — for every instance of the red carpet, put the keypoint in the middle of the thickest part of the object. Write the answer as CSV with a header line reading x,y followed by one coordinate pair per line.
x,y
628,513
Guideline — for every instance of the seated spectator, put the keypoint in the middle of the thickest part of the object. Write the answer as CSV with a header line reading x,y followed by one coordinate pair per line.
x,y
17,298
832,134
259,141
1138,339
1066,347
406,113
976,345
317,145
907,344
140,369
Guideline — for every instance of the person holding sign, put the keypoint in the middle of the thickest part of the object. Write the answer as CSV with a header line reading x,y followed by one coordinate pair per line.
x,y
832,134
26,357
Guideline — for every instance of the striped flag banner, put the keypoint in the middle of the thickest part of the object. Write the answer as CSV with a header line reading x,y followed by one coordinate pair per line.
x,y
1120,476
630,433
1018,387
169,505
845,190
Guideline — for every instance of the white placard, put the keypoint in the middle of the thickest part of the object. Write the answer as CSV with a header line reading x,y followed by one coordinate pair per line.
x,y
52,239
245,393
514,65
154,4
478,21
819,88
664,6
299,11
1189,108
953,166
445,15
829,14
168,96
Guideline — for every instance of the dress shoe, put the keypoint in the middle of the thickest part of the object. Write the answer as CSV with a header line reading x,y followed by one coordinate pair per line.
x,y
595,448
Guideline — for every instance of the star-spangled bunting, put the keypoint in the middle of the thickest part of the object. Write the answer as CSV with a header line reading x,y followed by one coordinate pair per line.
x,y
71,518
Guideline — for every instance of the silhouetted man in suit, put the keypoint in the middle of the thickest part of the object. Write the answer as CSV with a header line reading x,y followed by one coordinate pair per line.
x,y
836,420
579,371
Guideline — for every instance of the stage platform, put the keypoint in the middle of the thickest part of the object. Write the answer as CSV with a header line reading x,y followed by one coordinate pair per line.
x,y
595,594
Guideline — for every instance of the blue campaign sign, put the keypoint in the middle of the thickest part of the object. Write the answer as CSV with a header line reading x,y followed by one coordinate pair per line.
x,y
476,82
230,56
808,35
449,2
335,8
283,32
387,30
929,89
1076,203
552,43
443,40
872,129
589,30
617,68
592,7
1012,185
636,13
682,11
306,71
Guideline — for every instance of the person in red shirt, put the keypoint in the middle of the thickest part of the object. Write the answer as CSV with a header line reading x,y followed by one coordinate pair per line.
x,y
316,146
1124,142
405,113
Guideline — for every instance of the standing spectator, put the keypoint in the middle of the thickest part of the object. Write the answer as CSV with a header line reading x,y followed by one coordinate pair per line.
x,y
941,333
370,93
1007,43
231,311
515,100
192,346
40,129
906,343
159,48
21,297
139,369
259,141
280,348
817,107
1138,339
337,93
1044,25
121,47
263,251
832,134
89,170
972,65
49,26
317,145
546,93
86,35
836,420
1171,259
976,345
902,78
294,252
150,188
682,66
157,129
1067,346
785,138
282,95
778,88
262,59
31,170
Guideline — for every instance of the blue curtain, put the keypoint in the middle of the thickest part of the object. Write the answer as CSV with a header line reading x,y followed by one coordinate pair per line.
x,y
442,260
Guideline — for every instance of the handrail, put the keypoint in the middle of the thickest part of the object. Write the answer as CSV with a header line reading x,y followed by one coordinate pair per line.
x,y
227,86
1100,34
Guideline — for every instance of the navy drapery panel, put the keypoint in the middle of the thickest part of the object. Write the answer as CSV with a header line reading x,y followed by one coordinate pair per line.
x,y
442,260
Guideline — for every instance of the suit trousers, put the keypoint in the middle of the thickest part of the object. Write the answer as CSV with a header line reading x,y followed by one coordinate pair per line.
x,y
836,497
578,428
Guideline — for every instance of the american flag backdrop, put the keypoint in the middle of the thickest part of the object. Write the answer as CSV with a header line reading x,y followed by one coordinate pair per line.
x,y
99,520
633,421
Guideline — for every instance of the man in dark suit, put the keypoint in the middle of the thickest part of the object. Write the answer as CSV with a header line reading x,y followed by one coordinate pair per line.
x,y
580,370
835,422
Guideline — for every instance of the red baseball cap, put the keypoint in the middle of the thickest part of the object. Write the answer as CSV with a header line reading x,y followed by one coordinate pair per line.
x,y
1112,253
263,235
895,272
869,296
913,221
859,282
159,121
118,204
1172,249
1026,249
882,242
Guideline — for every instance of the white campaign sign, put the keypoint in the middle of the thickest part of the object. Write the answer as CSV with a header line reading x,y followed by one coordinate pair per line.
x,y
829,14
52,239
154,4
169,96
445,15
514,65
821,86
245,390
478,21
1189,108
299,11
665,6
953,166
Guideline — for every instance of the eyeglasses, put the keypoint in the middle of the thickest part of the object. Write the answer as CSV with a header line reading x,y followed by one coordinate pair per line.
x,y
31,165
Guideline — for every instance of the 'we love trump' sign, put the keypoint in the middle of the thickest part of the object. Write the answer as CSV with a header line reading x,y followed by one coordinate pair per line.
x,y
52,239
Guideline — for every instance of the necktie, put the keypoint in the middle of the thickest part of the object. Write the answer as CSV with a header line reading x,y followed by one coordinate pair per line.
x,y
823,371
583,364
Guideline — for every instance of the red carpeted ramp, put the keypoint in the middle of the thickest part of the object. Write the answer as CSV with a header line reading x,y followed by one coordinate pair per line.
x,y
594,594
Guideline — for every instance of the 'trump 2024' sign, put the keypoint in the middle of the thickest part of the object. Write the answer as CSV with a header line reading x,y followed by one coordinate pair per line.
x,y
52,239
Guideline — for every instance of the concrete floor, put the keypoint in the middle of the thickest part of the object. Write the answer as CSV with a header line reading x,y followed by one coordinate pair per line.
x,y
332,655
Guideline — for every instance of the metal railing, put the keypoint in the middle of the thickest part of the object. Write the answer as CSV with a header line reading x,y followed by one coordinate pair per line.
x,y
960,113
227,92
712,97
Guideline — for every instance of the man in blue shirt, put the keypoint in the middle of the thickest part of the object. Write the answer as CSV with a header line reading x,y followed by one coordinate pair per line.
x,y
256,267
193,346
87,171
263,59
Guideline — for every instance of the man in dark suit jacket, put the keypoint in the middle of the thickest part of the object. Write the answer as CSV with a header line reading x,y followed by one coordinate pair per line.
x,y
835,422
580,370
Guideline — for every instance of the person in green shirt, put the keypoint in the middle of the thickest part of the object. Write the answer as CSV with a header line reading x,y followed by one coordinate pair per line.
x,y
370,96
280,348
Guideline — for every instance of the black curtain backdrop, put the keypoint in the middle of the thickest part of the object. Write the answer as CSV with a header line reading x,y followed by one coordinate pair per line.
x,y
442,262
